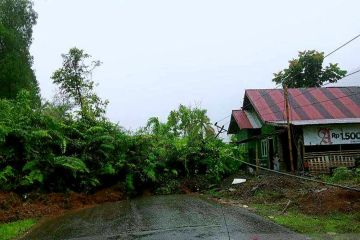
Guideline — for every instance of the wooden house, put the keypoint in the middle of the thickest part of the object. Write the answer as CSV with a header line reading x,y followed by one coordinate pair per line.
x,y
324,124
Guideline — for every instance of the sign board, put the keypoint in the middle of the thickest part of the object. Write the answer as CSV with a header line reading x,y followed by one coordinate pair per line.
x,y
331,135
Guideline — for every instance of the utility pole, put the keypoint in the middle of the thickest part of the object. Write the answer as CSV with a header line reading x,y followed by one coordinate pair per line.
x,y
286,96
257,158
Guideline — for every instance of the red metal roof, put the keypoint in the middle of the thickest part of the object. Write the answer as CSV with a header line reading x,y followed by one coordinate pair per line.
x,y
305,103
241,119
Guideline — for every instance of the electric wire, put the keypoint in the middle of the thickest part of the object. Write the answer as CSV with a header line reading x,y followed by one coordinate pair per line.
x,y
296,176
332,52
308,91
342,45
313,103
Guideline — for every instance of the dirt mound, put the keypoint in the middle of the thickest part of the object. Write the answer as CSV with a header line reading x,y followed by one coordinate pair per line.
x,y
308,197
329,201
14,207
267,186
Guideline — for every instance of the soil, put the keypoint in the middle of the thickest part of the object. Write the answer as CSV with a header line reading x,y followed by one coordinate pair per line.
x,y
34,205
306,197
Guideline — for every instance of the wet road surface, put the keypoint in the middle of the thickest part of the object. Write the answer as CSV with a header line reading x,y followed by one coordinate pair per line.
x,y
161,217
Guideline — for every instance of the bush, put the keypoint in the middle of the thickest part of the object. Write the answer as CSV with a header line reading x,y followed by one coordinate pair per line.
x,y
342,174
51,150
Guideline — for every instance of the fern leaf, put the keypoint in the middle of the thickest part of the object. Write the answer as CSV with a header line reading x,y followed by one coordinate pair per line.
x,y
72,163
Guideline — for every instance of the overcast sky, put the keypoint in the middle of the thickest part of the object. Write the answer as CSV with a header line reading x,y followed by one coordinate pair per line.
x,y
158,54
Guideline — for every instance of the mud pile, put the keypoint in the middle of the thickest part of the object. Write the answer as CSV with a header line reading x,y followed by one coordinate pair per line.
x,y
15,207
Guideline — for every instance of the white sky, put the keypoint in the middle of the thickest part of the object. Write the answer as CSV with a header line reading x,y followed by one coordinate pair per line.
x,y
157,54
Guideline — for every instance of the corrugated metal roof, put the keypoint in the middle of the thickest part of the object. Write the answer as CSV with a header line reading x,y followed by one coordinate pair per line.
x,y
320,122
328,104
253,119
241,119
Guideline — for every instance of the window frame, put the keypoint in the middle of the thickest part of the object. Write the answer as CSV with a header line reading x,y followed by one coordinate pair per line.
x,y
264,145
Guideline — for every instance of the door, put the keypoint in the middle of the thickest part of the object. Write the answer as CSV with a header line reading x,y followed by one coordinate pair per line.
x,y
271,152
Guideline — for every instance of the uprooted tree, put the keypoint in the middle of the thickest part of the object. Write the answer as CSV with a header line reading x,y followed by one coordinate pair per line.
x,y
74,79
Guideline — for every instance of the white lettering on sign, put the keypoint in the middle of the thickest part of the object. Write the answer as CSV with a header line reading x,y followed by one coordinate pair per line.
x,y
330,135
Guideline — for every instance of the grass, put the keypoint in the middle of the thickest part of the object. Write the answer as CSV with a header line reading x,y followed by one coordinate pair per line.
x,y
15,229
339,223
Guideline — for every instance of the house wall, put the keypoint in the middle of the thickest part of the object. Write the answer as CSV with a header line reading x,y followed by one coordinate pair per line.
x,y
265,147
250,152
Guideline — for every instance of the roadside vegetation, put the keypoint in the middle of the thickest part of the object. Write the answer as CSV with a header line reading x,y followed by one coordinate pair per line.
x,y
67,144
344,176
303,206
48,149
65,154
334,223
62,154
15,229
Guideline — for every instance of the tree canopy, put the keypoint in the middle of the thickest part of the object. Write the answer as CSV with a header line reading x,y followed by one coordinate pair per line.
x,y
75,82
17,18
307,71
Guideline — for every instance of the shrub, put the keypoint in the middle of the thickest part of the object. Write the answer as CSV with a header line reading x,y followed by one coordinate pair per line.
x,y
341,174
51,150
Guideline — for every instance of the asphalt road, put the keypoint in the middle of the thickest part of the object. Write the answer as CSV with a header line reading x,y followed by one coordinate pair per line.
x,y
161,217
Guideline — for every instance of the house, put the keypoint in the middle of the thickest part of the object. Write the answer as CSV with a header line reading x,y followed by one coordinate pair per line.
x,y
324,124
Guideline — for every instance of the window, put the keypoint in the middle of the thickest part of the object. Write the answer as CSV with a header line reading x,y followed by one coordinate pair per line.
x,y
264,148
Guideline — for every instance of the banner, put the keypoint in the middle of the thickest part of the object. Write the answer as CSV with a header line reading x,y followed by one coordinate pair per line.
x,y
331,135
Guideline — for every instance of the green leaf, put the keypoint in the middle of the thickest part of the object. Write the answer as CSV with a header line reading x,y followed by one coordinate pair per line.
x,y
72,163
6,173
40,134
107,170
30,166
34,176
130,181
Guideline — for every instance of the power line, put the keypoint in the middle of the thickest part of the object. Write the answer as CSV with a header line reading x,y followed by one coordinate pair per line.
x,y
335,50
283,101
249,104
313,103
261,95
296,176
349,74
223,118
309,90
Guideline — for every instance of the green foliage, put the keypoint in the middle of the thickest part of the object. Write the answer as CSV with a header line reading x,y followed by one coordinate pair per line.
x,y
71,163
6,174
168,187
15,229
311,224
17,18
308,71
342,173
60,152
130,182
75,83
33,177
